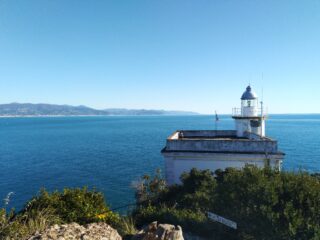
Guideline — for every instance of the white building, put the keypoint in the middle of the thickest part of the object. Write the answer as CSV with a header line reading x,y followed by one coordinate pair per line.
x,y
212,149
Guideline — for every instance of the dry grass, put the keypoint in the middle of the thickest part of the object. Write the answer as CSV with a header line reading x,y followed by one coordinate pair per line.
x,y
127,226
23,226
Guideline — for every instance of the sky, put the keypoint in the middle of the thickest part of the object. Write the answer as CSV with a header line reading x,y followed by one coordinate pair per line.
x,y
168,54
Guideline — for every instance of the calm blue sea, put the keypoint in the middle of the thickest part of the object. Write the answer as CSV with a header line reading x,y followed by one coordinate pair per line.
x,y
109,153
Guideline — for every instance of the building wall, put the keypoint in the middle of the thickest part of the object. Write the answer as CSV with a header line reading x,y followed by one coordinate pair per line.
x,y
208,133
177,163
243,126
223,145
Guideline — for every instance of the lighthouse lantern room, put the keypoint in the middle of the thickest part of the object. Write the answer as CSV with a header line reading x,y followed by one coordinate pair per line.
x,y
250,117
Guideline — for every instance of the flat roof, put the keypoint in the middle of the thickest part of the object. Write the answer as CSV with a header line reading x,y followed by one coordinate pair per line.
x,y
215,135
214,138
220,141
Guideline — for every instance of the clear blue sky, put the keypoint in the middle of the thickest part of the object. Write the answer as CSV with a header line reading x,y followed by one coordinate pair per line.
x,y
166,54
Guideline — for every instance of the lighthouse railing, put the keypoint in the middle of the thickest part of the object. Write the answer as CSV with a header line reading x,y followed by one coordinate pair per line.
x,y
238,112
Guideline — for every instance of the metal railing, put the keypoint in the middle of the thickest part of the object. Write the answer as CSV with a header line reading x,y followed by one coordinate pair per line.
x,y
237,112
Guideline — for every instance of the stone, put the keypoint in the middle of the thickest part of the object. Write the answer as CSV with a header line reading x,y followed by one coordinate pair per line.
x,y
155,231
74,231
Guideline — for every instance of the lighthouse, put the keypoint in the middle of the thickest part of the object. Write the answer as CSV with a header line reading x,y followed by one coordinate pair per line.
x,y
220,149
250,117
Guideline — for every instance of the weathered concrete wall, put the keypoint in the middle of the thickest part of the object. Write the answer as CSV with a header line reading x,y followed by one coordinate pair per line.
x,y
222,145
255,136
208,133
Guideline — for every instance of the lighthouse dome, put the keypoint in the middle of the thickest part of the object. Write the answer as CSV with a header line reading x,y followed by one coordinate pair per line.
x,y
249,94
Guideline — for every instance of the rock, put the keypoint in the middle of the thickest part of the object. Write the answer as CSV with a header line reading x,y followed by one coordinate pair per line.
x,y
73,231
155,231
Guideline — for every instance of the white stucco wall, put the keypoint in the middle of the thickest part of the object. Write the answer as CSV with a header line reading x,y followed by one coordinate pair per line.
x,y
243,125
176,165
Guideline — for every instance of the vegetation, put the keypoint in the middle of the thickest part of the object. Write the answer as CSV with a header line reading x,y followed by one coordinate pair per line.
x,y
70,205
266,204
75,205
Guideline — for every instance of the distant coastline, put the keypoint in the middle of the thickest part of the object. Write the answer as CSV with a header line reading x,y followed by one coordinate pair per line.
x,y
61,116
14,110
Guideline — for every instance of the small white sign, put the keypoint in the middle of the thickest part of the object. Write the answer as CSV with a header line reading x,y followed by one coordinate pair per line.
x,y
217,218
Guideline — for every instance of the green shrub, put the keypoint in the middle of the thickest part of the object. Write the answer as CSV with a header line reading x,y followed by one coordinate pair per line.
x,y
71,205
188,219
75,205
149,188
266,204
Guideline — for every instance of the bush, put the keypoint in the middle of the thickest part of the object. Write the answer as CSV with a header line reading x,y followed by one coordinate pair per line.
x,y
75,205
188,219
266,204
149,188
71,205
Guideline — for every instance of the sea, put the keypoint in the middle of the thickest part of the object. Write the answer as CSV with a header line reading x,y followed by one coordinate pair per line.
x,y
111,153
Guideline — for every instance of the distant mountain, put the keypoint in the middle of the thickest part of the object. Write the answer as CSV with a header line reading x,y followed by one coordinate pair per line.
x,y
29,109
123,111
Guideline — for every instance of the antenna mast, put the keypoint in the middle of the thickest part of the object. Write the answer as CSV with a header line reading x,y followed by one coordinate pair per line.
x,y
261,102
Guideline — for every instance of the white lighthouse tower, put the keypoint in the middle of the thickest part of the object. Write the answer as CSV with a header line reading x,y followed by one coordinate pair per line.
x,y
250,117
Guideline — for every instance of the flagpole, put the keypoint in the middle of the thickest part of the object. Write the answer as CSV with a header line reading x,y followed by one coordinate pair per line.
x,y
216,121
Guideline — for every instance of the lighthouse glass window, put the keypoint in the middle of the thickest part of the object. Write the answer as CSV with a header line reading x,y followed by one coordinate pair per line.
x,y
249,103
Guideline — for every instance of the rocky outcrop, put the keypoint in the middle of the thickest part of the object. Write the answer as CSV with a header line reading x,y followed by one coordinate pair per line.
x,y
73,231
102,231
155,231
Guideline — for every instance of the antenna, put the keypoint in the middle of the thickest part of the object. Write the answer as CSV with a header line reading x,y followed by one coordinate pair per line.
x,y
261,103
262,87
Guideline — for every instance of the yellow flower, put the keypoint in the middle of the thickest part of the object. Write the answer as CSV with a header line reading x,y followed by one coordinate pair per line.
x,y
102,216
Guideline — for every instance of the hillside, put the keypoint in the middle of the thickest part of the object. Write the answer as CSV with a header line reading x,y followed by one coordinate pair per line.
x,y
262,203
29,109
